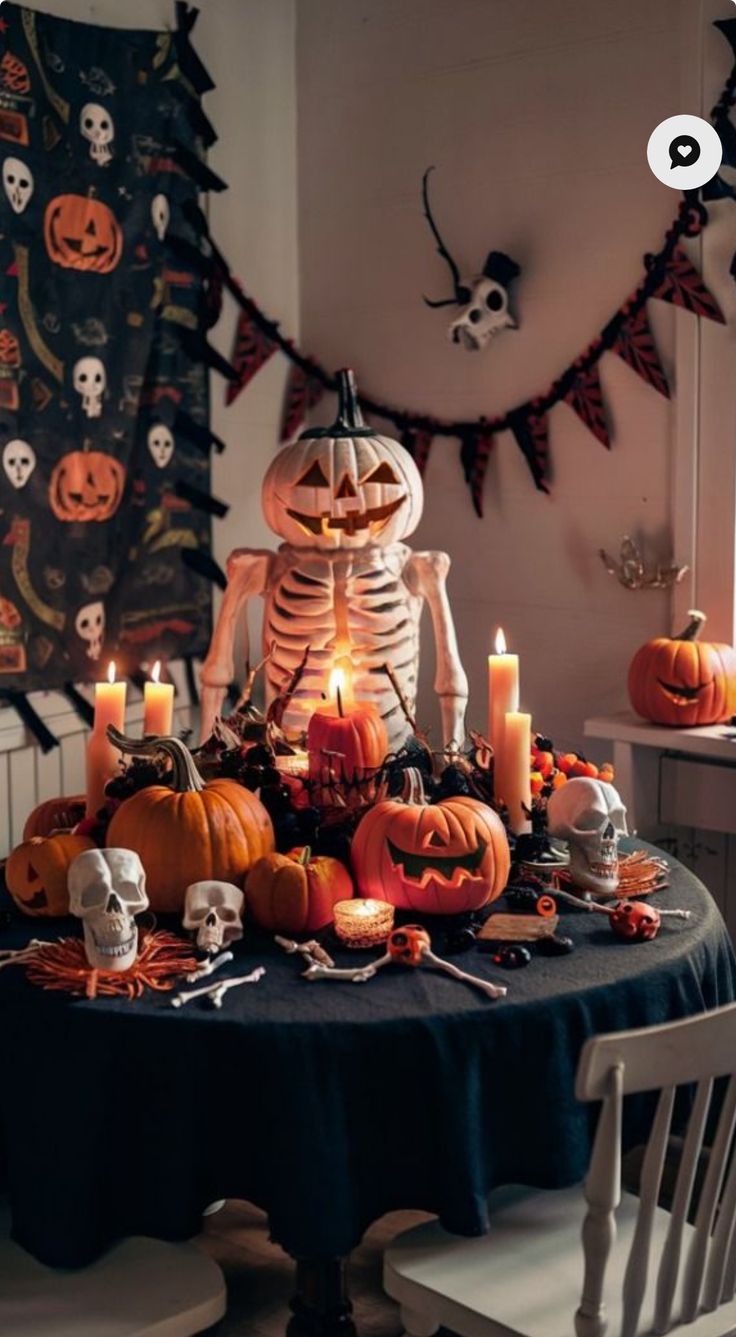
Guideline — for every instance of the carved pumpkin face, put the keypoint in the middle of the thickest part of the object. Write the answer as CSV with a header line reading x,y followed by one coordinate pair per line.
x,y
441,858
682,681
86,485
36,873
82,233
343,486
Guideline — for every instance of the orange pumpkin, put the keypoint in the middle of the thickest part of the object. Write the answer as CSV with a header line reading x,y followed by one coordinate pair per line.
x,y
353,743
53,814
295,893
36,871
82,233
191,832
441,858
86,485
682,681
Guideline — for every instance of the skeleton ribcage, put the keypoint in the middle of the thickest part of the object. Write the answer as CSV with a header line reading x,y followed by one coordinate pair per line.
x,y
339,604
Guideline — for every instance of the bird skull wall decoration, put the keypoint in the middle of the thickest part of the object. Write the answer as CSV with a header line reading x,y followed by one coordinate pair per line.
x,y
590,816
214,911
482,300
19,461
107,888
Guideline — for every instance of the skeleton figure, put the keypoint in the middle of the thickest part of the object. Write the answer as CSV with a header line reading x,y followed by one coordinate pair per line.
x,y
90,381
160,444
483,299
342,586
19,461
214,910
96,125
89,625
160,215
106,889
17,184
590,815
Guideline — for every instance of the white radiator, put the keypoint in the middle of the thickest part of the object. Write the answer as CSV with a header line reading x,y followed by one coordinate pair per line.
x,y
28,775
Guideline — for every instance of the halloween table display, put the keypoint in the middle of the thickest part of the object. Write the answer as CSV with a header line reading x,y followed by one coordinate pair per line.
x,y
682,681
343,584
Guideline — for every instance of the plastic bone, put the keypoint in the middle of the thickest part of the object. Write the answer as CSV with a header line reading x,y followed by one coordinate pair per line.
x,y
590,816
312,951
214,911
17,956
359,975
423,954
106,889
208,967
216,992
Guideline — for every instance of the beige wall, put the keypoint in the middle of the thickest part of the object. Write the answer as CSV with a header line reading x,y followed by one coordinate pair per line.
x,y
536,115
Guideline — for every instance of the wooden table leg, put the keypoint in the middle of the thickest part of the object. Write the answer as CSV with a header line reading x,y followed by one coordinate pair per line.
x,y
321,1305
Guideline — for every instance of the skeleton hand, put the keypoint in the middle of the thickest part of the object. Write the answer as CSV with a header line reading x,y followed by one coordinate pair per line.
x,y
312,951
17,957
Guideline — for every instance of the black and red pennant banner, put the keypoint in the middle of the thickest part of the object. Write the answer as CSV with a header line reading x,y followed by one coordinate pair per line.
x,y
251,349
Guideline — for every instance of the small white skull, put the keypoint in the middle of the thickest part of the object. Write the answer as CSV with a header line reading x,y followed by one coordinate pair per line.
x,y
590,815
90,381
19,461
89,625
17,184
160,215
96,125
160,444
106,889
214,910
485,313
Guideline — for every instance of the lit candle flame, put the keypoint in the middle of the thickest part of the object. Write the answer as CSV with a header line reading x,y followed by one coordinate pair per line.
x,y
336,683
500,642
156,671
111,671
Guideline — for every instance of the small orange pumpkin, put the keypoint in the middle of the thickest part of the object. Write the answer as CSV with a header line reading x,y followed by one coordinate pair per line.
x,y
82,233
440,858
682,681
53,814
86,485
36,871
295,893
192,832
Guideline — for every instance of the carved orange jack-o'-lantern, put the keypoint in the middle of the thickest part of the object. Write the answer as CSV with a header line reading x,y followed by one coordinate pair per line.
x,y
682,681
82,233
343,486
441,858
36,872
86,485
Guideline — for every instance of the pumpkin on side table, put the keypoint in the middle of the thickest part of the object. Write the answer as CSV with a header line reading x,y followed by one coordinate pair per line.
x,y
36,872
682,681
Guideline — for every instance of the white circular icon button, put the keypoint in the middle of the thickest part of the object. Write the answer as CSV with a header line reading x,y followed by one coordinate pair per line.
x,y
684,152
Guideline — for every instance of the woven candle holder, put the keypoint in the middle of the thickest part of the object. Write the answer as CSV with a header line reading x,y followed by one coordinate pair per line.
x,y
363,923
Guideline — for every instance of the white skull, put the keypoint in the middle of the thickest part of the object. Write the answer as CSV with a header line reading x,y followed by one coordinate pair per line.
x,y
106,889
19,461
90,381
485,313
96,125
215,910
17,183
160,444
160,215
89,625
590,815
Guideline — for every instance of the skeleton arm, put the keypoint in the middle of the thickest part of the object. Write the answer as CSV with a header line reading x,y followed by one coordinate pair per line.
x,y
248,573
426,575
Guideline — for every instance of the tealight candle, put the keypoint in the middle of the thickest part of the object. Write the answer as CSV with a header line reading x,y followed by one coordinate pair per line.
x,y
363,923
102,757
158,704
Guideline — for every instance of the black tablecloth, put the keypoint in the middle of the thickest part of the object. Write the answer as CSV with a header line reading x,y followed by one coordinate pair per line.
x,y
326,1104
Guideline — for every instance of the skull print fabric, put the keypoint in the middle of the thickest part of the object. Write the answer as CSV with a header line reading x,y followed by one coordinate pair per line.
x,y
102,408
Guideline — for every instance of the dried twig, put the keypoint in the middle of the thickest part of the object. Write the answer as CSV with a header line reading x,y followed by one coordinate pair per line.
x,y
278,708
250,678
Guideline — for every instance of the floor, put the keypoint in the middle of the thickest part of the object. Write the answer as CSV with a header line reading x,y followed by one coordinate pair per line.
x,y
259,1275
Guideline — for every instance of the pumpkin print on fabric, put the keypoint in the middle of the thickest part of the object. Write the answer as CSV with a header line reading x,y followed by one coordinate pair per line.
x,y
441,858
36,872
14,74
86,485
82,233
682,681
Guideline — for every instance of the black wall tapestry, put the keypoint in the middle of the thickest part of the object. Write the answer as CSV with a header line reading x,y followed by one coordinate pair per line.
x,y
104,437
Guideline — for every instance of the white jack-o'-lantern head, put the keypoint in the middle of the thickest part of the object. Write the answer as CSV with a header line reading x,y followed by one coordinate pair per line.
x,y
343,486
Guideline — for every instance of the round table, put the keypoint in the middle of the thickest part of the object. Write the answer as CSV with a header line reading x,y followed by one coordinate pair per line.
x,y
325,1103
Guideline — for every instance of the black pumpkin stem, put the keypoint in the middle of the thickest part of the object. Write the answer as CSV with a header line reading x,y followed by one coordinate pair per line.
x,y
349,415
694,626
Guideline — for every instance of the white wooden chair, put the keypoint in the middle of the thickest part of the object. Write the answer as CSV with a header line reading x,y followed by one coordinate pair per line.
x,y
664,1274
141,1288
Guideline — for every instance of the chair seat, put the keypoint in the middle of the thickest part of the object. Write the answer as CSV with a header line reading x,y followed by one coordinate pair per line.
x,y
525,1276
141,1288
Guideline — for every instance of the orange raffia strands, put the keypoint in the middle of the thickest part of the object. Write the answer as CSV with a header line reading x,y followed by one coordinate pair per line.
x,y
639,874
162,960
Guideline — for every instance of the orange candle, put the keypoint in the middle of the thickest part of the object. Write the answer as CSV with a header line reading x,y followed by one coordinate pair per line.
x,y
515,774
346,739
102,757
158,704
